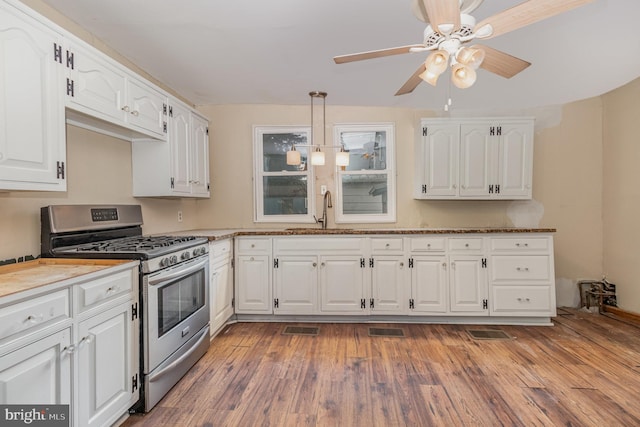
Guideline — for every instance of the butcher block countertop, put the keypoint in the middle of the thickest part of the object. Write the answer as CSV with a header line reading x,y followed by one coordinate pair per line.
x,y
24,276
222,234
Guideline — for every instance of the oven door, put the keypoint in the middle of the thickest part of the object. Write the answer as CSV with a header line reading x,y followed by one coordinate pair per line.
x,y
176,307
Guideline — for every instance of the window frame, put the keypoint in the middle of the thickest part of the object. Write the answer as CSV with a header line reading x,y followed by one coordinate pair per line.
x,y
259,173
390,171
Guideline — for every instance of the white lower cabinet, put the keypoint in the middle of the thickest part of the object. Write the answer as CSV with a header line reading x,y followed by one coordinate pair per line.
x,y
522,276
107,361
253,275
220,284
468,284
296,285
429,284
87,357
342,284
39,373
457,275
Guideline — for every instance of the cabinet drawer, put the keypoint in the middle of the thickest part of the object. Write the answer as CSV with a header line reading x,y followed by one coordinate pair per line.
x,y
386,245
465,245
523,245
254,245
515,268
435,244
522,299
103,289
34,313
220,249
317,245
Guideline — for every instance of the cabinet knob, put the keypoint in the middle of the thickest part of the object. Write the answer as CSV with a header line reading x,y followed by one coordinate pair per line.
x,y
455,186
315,264
251,259
444,265
401,264
386,245
125,108
68,349
428,245
322,264
466,245
464,187
135,113
522,268
253,245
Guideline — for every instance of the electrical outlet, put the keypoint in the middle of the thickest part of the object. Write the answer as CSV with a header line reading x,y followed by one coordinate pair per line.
x,y
179,216
323,189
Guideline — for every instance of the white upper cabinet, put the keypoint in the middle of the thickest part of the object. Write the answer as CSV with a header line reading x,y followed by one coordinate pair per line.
x,y
474,159
102,89
178,167
32,139
437,161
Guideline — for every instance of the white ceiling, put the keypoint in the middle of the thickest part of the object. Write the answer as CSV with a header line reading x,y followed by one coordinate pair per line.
x,y
277,51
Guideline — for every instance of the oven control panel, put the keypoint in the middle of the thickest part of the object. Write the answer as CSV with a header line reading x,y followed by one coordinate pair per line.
x,y
104,214
173,258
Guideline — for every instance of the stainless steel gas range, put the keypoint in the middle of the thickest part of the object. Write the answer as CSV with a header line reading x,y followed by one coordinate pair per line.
x,y
174,284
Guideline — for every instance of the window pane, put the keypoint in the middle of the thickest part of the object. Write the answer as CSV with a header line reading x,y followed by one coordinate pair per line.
x,y
275,147
364,194
367,150
285,195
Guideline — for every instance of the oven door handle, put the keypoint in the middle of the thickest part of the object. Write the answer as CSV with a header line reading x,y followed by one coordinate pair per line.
x,y
156,376
180,272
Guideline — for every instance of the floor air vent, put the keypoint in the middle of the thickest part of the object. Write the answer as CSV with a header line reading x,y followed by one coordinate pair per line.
x,y
386,332
488,334
300,330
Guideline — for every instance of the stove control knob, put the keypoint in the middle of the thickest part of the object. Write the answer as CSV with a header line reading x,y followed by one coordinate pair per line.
x,y
173,259
185,255
164,262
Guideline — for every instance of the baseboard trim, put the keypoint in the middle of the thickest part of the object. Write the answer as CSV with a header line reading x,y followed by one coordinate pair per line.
x,y
623,314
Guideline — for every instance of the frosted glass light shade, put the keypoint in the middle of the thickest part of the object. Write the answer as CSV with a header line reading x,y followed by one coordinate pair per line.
x,y
463,76
471,57
429,77
293,156
317,157
342,158
437,62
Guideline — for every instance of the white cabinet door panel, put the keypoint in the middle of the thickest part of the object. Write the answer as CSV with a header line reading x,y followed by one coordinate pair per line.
x,y
342,284
468,284
388,285
429,284
38,373
296,285
254,284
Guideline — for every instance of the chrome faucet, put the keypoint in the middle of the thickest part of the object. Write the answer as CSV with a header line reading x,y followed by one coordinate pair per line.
x,y
326,203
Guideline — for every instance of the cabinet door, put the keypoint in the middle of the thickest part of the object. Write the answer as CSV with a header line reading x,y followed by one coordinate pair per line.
x,y
437,162
98,86
179,134
253,284
32,136
38,373
296,285
107,354
468,284
342,284
477,149
199,161
429,284
147,108
388,285
221,291
515,161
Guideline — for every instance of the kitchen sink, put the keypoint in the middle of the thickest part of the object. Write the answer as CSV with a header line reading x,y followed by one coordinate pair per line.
x,y
309,230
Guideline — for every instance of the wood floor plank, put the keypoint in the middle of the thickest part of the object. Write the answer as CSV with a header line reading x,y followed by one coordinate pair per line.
x,y
584,370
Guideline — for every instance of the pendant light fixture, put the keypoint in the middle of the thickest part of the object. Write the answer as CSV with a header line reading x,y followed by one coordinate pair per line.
x,y
317,156
293,156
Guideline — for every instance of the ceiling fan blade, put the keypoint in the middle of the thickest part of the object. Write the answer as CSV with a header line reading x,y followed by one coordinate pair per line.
x,y
413,81
501,63
443,12
375,54
526,13
417,7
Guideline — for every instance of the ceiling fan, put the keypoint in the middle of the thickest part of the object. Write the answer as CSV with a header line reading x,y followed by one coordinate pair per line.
x,y
451,27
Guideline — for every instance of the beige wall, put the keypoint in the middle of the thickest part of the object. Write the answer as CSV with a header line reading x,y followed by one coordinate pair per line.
x,y
621,199
567,178
98,171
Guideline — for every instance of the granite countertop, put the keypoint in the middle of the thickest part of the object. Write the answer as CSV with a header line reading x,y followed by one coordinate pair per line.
x,y
222,234
24,276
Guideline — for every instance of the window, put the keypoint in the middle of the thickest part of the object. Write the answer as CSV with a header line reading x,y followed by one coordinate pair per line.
x,y
366,187
282,191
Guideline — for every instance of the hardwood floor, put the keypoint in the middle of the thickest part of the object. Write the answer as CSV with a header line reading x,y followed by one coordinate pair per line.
x,y
584,371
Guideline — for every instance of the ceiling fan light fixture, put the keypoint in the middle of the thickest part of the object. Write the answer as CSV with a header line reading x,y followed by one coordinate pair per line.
x,y
463,76
429,77
470,56
437,62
